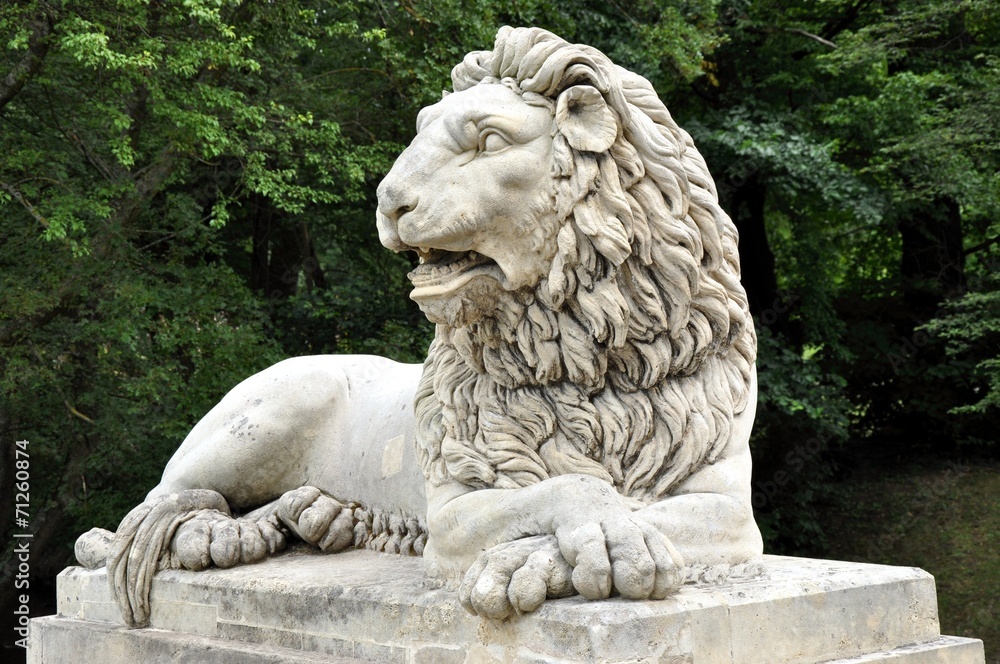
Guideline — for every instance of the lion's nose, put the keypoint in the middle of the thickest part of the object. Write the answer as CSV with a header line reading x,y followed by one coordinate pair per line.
x,y
395,212
393,203
395,200
388,235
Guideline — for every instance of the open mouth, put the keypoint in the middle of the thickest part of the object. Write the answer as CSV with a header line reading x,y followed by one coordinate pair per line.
x,y
441,272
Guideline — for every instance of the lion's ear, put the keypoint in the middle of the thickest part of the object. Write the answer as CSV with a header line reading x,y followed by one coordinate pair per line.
x,y
584,119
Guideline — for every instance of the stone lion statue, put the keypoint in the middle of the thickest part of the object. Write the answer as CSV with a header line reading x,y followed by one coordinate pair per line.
x,y
581,422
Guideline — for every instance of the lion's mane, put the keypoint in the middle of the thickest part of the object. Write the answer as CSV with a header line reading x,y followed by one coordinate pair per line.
x,y
631,358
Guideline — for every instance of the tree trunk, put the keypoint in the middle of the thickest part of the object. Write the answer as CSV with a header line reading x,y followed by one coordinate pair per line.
x,y
757,263
933,263
30,62
277,252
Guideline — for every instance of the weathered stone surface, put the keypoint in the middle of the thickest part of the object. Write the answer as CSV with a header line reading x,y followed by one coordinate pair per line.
x,y
944,650
56,640
374,607
581,424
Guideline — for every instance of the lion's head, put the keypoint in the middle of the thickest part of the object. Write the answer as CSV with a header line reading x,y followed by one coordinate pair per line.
x,y
583,277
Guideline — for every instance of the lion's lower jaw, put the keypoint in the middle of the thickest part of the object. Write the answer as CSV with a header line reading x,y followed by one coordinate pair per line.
x,y
477,299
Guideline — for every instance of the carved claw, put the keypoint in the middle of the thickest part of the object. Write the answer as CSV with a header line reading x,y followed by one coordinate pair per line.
x,y
214,538
626,555
273,533
612,550
516,577
317,518
191,544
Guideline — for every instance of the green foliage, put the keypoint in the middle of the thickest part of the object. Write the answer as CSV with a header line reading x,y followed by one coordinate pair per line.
x,y
364,307
803,421
970,327
666,42
107,387
856,147
800,166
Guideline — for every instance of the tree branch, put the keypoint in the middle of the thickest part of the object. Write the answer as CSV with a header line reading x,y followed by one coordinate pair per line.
x,y
30,63
12,329
342,70
770,30
800,31
75,412
982,245
835,27
19,197
73,137
154,176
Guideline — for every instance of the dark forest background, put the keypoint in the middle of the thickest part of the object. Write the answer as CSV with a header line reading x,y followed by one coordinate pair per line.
x,y
187,196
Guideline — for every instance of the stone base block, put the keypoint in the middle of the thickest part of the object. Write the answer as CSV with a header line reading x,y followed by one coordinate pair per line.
x,y
56,639
943,650
361,606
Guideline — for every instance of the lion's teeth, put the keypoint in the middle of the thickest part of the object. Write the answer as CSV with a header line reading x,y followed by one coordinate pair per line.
x,y
439,265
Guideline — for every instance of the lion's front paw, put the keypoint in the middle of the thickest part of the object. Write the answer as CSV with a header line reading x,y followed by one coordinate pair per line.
x,y
212,537
317,518
516,577
622,554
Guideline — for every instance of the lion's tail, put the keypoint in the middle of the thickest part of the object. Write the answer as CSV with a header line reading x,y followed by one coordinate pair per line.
x,y
142,543
389,531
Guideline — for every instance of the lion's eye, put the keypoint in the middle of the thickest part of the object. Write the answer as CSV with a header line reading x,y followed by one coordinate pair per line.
x,y
492,141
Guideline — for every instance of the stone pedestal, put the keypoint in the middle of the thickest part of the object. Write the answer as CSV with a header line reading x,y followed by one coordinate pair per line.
x,y
361,606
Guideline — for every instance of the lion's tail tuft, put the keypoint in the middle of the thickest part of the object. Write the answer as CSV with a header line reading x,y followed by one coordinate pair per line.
x,y
92,547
